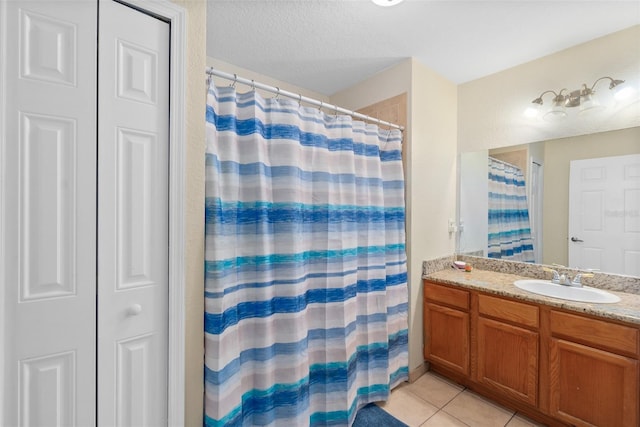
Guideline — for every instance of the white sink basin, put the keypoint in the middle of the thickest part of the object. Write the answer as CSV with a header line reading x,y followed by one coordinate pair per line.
x,y
583,294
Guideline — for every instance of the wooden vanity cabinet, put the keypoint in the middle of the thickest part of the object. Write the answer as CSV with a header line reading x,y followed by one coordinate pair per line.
x,y
593,370
559,367
446,327
507,348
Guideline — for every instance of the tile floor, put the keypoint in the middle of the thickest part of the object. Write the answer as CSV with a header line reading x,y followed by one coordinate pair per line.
x,y
434,401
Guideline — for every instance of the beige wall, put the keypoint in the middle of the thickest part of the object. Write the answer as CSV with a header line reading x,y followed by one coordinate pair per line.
x,y
557,155
430,144
194,215
490,108
433,184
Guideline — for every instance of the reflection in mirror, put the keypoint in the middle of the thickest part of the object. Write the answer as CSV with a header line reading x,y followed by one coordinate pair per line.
x,y
546,169
508,213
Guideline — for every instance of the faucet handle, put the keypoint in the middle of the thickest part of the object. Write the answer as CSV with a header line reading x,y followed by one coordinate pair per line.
x,y
577,280
556,275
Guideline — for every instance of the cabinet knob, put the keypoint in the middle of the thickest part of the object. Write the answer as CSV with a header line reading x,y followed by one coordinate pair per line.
x,y
134,310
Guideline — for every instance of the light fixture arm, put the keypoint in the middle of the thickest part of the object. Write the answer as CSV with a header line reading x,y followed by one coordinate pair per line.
x,y
613,82
538,100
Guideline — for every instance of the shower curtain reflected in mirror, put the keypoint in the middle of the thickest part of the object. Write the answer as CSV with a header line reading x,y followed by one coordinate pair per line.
x,y
306,283
509,227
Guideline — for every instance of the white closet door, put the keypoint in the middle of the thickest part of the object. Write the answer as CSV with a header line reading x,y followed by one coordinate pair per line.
x,y
133,141
48,214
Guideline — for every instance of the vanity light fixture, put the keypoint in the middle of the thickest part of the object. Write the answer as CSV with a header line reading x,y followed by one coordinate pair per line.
x,y
582,98
386,3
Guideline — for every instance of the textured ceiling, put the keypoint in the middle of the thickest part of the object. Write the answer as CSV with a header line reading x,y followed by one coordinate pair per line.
x,y
329,45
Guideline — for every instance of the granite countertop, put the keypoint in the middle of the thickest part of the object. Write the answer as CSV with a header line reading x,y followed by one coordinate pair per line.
x,y
627,310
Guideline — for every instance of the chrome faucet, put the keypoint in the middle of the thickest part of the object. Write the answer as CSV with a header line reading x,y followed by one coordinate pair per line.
x,y
565,279
556,275
577,280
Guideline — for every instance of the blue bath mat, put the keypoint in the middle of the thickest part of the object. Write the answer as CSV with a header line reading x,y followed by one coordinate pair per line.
x,y
374,416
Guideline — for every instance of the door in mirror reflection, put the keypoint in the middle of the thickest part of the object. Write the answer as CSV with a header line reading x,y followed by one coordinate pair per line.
x,y
604,214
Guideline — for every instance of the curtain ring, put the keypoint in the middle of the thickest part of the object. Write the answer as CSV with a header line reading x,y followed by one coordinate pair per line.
x,y
277,93
209,79
235,79
320,107
253,85
299,100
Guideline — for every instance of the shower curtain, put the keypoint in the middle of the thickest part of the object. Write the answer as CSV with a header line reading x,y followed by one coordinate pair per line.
x,y
306,283
509,229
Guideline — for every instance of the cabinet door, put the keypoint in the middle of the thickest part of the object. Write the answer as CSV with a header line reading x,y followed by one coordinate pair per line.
x,y
592,387
508,359
447,337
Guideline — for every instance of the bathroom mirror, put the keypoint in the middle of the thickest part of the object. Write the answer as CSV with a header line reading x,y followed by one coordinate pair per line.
x,y
545,166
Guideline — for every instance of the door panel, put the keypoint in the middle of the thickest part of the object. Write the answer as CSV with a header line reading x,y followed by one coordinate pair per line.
x,y
48,146
132,389
604,224
591,387
508,359
48,390
446,337
48,211
133,136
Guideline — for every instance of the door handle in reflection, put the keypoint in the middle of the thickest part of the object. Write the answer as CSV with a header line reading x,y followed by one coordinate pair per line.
x,y
575,239
134,310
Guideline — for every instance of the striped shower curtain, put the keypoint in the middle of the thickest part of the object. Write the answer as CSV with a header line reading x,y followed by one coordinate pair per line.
x,y
509,229
306,283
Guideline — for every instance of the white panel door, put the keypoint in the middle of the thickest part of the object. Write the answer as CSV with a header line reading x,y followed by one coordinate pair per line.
x,y
133,153
604,214
48,215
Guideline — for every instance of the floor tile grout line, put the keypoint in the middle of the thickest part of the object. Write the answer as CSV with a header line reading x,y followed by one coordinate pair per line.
x,y
510,419
459,390
452,416
433,404
448,383
451,400
484,400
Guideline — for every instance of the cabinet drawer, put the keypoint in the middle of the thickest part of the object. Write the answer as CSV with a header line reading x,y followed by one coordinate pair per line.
x,y
445,295
510,311
620,338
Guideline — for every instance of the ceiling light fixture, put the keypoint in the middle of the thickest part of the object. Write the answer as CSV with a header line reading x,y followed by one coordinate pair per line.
x,y
583,98
386,3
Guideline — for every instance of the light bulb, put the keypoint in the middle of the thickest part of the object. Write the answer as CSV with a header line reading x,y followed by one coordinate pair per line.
x,y
556,114
386,3
622,93
532,111
589,103
558,110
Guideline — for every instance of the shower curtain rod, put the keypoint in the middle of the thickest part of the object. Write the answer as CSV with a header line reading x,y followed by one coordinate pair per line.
x,y
299,97
504,163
